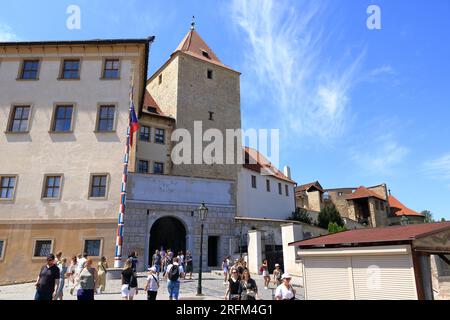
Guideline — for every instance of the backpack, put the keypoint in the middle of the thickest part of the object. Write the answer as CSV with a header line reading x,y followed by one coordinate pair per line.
x,y
174,273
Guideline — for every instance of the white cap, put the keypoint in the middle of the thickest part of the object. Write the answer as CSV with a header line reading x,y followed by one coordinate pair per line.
x,y
277,265
153,269
286,276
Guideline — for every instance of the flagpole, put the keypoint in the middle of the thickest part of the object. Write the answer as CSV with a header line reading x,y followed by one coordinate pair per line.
x,y
123,190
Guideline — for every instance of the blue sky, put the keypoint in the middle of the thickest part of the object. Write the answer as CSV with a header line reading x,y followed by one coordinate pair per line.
x,y
354,106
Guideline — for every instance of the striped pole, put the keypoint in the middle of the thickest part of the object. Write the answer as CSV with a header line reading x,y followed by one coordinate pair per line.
x,y
123,196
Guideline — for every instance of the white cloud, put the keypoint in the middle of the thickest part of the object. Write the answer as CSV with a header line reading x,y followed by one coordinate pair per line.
x,y
287,55
439,168
380,156
6,33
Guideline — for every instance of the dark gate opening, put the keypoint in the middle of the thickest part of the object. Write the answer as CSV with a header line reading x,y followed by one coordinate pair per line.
x,y
274,255
167,233
213,251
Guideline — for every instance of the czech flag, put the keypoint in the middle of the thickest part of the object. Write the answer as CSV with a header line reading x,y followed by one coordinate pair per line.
x,y
134,124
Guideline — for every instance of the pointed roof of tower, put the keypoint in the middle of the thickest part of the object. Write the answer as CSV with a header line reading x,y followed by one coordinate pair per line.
x,y
193,45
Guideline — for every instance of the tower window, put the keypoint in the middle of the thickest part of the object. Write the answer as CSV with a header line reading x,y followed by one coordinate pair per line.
x,y
160,78
206,54
210,74
211,115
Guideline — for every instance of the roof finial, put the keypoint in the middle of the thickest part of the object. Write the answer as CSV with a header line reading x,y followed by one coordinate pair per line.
x,y
193,23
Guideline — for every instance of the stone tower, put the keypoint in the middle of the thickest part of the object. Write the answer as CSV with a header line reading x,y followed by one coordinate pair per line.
x,y
194,85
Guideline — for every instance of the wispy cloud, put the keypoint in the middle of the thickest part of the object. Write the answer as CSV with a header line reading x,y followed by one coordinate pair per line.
x,y
381,156
286,51
439,168
6,33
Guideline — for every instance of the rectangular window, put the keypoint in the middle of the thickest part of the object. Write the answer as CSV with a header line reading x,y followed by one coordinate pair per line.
x,y
42,248
158,168
160,79
106,118
268,185
20,119
286,188
52,187
254,182
280,189
210,74
2,249
160,136
92,247
340,194
98,186
143,166
62,119
71,69
145,134
111,70
7,187
382,205
30,70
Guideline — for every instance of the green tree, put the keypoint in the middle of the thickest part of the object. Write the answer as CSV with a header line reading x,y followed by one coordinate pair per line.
x,y
428,216
443,220
333,227
329,214
301,215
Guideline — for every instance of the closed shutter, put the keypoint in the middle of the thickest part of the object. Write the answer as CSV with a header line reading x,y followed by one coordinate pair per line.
x,y
327,278
389,277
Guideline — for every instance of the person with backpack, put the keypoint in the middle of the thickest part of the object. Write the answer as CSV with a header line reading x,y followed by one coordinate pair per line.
x,y
134,260
152,285
173,275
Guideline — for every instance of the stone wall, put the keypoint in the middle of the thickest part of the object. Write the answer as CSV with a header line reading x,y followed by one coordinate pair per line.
x,y
141,216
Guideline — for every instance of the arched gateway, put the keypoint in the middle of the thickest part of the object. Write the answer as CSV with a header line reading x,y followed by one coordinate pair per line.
x,y
167,232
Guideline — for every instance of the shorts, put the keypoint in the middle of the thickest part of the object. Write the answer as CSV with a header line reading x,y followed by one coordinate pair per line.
x,y
265,273
173,287
126,291
158,268
151,295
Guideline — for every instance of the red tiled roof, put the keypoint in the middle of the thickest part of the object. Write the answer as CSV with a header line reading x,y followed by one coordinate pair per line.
x,y
375,235
260,164
150,102
399,209
363,192
306,187
195,46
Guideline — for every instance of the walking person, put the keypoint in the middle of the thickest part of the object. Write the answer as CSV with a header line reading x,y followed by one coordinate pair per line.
x,y
277,274
58,257
234,289
129,281
285,291
189,264
248,287
102,270
87,281
156,262
47,282
174,273
71,271
62,277
225,268
152,285
265,273
134,260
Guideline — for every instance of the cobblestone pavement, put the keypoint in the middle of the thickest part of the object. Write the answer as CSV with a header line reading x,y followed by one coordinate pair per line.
x,y
213,289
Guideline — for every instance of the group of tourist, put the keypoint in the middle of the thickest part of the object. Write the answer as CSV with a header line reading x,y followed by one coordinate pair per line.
x,y
80,275
87,280
241,286
162,259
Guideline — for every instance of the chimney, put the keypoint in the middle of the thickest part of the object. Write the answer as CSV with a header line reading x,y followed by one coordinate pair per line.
x,y
287,172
